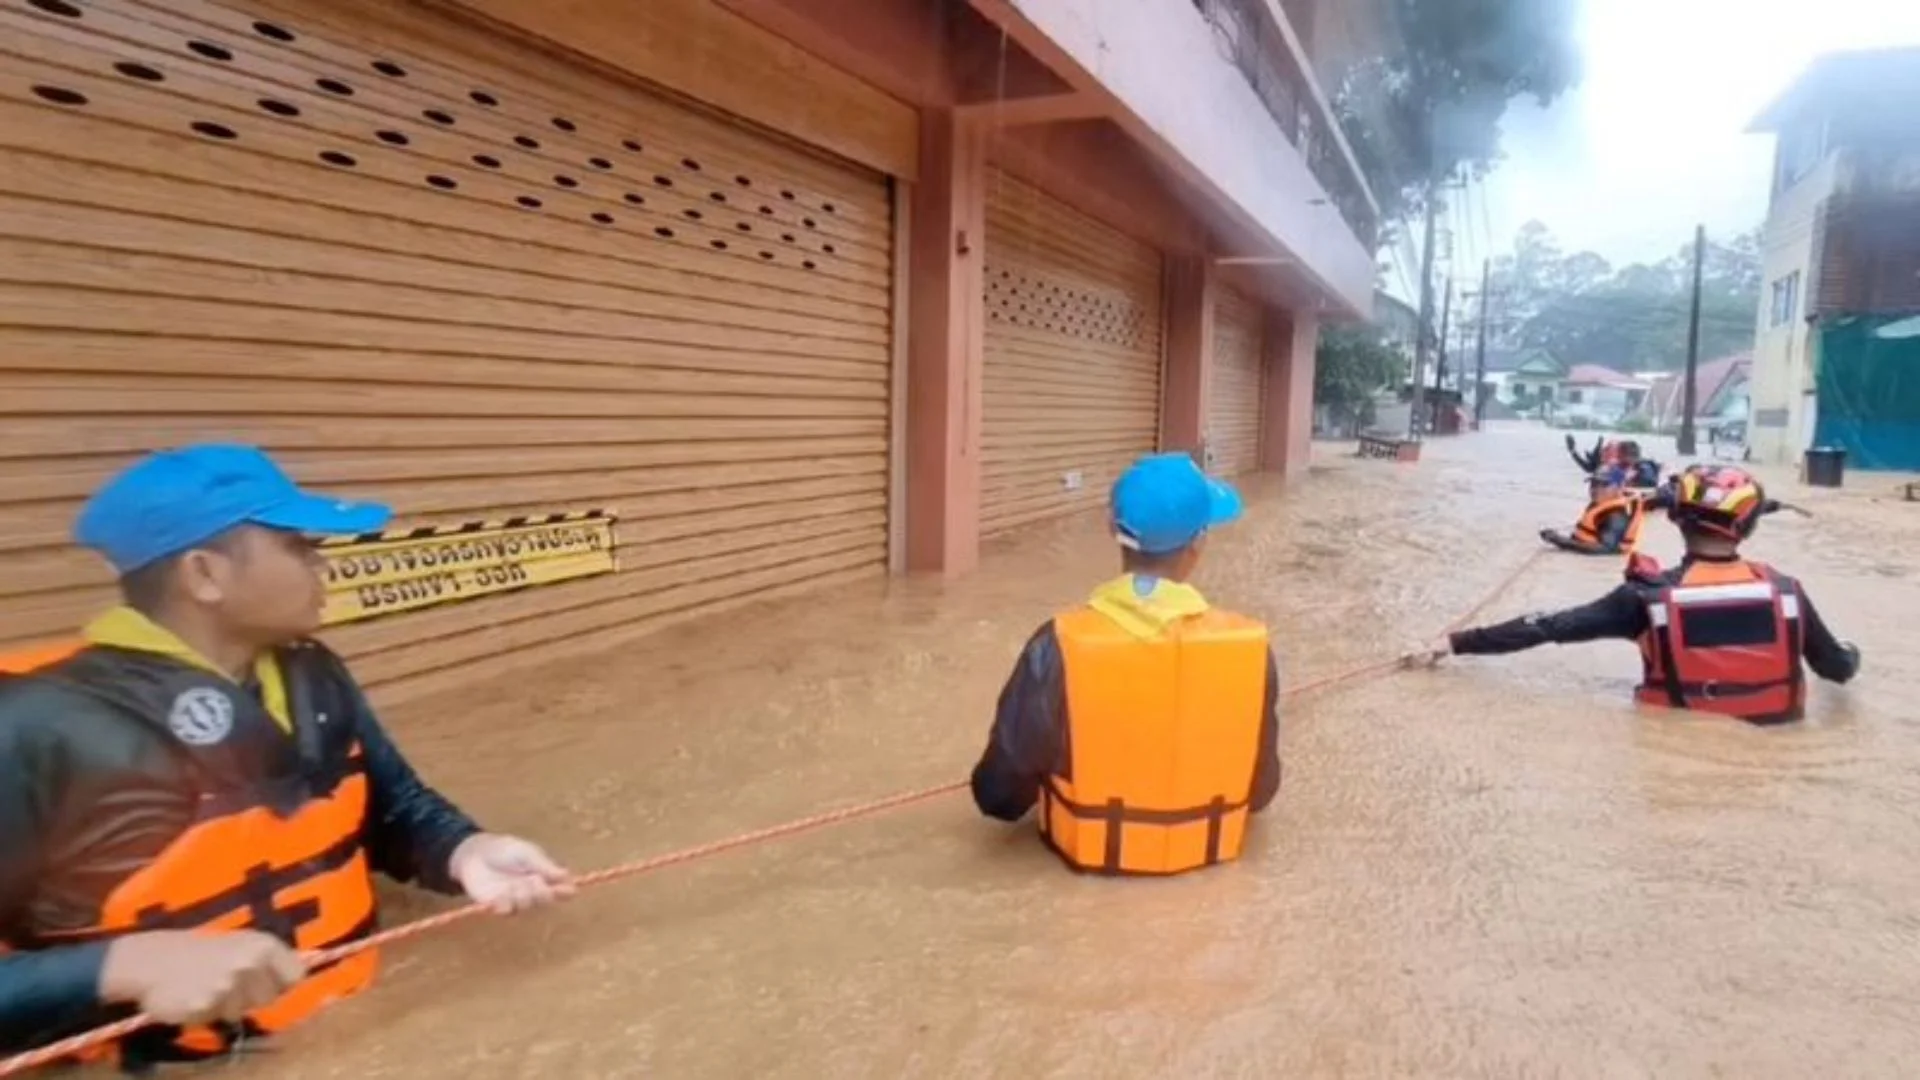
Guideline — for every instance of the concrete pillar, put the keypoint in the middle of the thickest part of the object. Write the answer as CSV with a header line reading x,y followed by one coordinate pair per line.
x,y
1189,352
1286,438
945,322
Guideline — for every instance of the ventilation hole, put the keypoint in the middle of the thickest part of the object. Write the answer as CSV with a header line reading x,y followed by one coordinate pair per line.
x,y
718,245
718,196
602,217
787,236
767,210
663,181
744,227
743,181
566,181
335,157
565,124
438,117
279,108
388,67
637,200
632,145
689,163
444,183
663,232
600,163
692,214
486,161
57,7
481,97
60,95
810,223
787,195
529,202
392,138
138,71
211,51
268,30
526,141
766,254
828,207
828,248
334,86
810,265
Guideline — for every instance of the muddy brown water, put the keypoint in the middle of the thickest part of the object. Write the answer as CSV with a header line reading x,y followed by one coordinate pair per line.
x,y
1499,868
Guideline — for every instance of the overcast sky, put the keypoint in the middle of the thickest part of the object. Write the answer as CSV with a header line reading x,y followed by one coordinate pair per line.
x,y
1652,141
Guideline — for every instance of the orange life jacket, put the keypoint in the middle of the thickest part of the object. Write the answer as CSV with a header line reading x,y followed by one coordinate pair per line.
x,y
1725,639
1162,743
1593,521
281,855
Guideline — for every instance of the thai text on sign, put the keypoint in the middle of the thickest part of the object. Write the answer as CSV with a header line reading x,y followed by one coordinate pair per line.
x,y
383,573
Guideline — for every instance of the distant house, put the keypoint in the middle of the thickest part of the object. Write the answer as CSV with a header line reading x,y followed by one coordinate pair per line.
x,y
1720,392
1532,383
1599,396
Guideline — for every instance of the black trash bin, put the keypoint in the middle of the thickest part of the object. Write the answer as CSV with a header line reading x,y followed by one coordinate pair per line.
x,y
1826,466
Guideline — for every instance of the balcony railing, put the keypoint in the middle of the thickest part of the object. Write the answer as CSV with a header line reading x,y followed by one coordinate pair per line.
x,y
1248,40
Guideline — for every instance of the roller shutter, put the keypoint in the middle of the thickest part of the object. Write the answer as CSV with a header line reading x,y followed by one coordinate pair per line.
x,y
433,265
1072,382
1238,387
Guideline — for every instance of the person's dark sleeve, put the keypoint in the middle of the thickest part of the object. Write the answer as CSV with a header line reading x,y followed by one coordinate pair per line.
x,y
1266,768
411,829
1588,461
1619,614
1825,654
45,994
1024,745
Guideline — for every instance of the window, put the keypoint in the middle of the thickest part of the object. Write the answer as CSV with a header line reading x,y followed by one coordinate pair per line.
x,y
1573,397
1786,300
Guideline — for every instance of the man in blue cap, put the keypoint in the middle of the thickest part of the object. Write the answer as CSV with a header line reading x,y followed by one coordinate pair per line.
x,y
1144,723
201,793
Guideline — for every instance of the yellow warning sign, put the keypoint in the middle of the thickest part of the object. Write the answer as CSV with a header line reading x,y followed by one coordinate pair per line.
x,y
382,573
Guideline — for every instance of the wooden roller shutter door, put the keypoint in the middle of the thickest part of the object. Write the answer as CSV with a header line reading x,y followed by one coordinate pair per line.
x,y
432,265
1072,380
1238,387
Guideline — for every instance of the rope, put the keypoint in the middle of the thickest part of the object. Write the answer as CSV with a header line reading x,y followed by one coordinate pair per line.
x,y
56,1052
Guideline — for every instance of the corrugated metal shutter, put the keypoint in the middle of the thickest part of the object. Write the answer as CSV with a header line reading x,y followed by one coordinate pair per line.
x,y
1238,387
1072,381
431,265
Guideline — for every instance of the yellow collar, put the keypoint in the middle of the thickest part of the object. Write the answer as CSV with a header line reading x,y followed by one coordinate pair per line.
x,y
1145,607
125,628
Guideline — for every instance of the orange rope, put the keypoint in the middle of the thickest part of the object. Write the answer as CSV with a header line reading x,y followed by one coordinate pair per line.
x,y
66,1048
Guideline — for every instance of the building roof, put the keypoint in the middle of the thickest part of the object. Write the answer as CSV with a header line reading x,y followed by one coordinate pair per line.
x,y
1595,375
1842,80
1711,382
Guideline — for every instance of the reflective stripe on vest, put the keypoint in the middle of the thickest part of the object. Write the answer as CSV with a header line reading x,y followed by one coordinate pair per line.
x,y
1725,640
1162,743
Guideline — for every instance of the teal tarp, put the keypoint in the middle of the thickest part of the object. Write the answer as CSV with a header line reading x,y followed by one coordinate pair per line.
x,y
1869,386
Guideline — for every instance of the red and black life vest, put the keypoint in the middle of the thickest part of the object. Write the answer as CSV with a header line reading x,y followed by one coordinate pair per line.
x,y
1725,638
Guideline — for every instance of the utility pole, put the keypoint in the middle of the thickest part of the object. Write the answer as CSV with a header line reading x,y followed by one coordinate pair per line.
x,y
1480,350
1423,337
1687,402
1446,310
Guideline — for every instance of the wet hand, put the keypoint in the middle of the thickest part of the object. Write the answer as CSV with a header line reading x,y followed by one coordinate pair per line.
x,y
508,874
182,977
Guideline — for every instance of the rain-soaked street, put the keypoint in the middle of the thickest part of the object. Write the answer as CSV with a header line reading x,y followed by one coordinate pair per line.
x,y
1498,868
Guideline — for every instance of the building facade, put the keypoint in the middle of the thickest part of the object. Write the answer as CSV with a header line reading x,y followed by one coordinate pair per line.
x,y
1841,244
797,292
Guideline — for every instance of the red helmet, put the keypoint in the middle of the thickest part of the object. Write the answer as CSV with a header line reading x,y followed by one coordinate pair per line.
x,y
1718,499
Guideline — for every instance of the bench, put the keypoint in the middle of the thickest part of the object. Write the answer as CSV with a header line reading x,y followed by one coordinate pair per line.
x,y
1389,447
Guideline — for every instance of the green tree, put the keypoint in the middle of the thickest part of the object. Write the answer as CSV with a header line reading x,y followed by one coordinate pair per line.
x,y
1351,364
1432,106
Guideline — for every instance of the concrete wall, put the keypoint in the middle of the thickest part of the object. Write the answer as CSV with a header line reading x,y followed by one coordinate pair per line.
x,y
1782,375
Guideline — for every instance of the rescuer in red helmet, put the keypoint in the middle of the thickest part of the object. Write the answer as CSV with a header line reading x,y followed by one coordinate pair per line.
x,y
1718,633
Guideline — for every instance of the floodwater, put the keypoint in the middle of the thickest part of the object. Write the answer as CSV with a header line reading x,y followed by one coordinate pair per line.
x,y
1498,868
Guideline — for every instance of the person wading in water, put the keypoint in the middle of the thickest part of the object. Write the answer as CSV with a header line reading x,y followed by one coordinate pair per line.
x,y
1144,723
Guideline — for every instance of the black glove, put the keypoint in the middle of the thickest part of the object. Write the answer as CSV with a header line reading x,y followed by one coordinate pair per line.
x,y
1570,445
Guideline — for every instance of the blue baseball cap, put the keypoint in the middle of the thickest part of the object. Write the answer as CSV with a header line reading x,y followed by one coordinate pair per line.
x,y
172,500
1164,503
